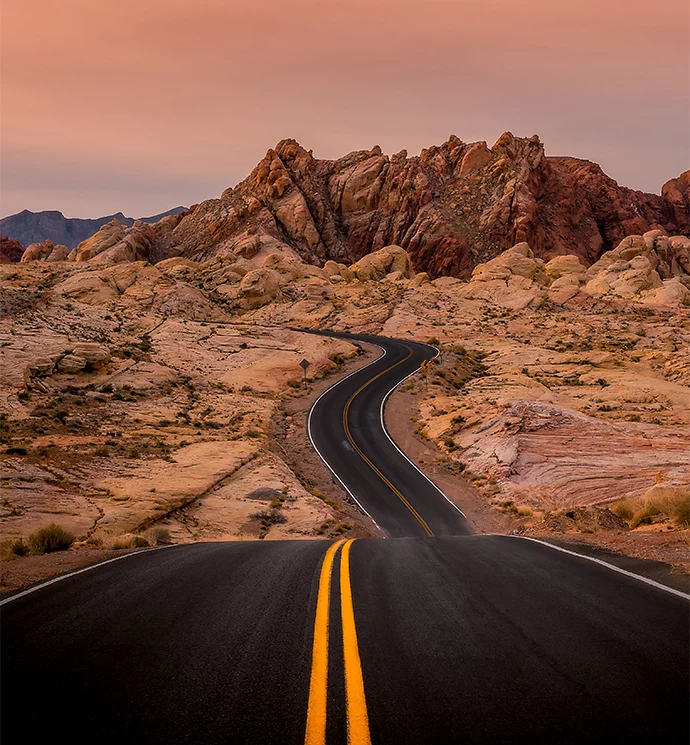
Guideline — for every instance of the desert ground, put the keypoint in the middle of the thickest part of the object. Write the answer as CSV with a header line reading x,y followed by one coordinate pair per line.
x,y
142,404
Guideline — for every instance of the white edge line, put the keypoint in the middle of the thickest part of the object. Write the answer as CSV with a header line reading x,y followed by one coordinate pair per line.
x,y
49,582
613,567
318,452
395,445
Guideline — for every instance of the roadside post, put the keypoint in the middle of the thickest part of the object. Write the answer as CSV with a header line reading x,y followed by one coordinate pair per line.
x,y
304,364
424,367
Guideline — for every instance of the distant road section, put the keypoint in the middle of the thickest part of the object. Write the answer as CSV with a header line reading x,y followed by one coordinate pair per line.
x,y
346,427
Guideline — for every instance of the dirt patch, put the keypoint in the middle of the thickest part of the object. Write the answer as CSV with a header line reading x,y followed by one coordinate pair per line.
x,y
31,570
666,546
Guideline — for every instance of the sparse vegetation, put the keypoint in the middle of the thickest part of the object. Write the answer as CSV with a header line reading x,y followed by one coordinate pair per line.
x,y
50,538
673,507
13,548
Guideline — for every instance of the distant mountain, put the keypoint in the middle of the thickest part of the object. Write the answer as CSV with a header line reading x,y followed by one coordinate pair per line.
x,y
35,227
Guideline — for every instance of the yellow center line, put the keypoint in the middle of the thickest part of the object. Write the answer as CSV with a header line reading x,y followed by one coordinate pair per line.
x,y
357,717
318,685
346,427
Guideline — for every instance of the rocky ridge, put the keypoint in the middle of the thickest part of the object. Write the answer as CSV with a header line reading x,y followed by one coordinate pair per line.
x,y
451,207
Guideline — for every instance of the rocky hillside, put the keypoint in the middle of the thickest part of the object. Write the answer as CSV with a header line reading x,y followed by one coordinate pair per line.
x,y
451,208
35,227
138,397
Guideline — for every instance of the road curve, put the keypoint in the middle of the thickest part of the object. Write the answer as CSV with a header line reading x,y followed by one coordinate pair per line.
x,y
347,429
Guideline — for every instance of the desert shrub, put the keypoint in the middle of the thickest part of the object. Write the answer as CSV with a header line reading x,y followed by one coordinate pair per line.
x,y
679,511
644,511
158,536
645,514
269,517
50,538
625,509
12,548
294,383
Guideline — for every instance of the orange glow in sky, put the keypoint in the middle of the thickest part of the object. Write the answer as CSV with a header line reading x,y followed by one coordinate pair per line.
x,y
141,105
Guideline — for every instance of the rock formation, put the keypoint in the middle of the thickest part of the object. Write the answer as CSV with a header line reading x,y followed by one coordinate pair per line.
x,y
451,207
45,251
10,251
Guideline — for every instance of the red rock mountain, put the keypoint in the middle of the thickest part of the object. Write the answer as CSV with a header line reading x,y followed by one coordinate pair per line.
x,y
451,207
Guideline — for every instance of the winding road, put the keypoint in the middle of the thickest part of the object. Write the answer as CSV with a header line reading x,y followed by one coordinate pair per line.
x,y
432,635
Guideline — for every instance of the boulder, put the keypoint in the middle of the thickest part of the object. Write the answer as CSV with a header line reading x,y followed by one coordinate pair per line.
x,y
377,265
560,265
332,268
71,364
96,355
419,279
477,156
38,251
10,251
41,367
257,288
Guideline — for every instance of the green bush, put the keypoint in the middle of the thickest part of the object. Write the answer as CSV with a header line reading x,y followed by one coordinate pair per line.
x,y
50,538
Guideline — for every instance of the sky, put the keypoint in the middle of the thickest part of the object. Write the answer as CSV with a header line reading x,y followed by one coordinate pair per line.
x,y
141,105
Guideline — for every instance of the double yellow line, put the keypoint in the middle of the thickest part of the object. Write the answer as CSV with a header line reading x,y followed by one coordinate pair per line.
x,y
356,705
361,454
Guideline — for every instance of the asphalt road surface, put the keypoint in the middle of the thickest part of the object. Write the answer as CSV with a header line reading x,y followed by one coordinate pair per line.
x,y
446,639
347,429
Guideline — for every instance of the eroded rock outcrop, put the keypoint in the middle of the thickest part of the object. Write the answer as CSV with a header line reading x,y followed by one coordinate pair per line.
x,y
45,251
451,207
10,251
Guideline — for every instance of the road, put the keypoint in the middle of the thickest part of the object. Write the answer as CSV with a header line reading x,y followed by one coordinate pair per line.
x,y
346,426
419,639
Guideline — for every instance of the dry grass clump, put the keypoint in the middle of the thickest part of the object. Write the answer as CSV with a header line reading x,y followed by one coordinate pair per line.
x,y
13,548
636,511
50,538
129,541
158,536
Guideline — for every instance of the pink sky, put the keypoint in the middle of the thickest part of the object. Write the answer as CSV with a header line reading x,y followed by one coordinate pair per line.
x,y
140,105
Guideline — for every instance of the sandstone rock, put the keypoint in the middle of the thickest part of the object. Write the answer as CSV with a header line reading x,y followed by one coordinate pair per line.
x,y
96,355
451,207
331,268
672,292
290,268
477,156
257,288
420,279
10,251
316,289
38,251
71,364
108,236
560,265
41,368
377,265
518,261
396,276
